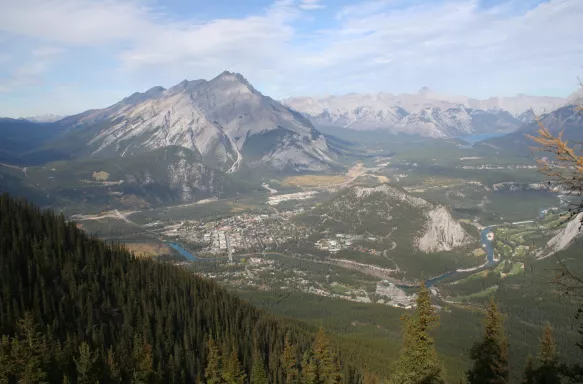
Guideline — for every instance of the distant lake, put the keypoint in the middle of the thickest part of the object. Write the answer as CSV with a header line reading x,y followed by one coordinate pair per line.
x,y
473,139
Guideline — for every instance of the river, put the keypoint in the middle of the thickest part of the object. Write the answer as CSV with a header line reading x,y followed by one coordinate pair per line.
x,y
183,252
489,254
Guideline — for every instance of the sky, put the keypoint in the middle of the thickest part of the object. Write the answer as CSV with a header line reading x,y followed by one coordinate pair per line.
x,y
66,56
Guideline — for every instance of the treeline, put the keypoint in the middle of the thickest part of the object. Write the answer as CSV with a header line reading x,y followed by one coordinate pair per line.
x,y
77,310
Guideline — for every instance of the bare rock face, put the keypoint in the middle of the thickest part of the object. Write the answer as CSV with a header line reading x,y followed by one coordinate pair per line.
x,y
442,232
213,118
565,237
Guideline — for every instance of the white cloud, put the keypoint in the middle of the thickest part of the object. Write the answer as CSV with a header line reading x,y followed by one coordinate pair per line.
x,y
311,5
380,45
25,75
47,51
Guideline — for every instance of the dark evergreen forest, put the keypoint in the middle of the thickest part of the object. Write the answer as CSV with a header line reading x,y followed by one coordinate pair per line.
x,y
77,310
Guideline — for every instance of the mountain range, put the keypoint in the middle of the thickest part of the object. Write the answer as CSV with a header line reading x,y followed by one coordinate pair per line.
x,y
225,120
426,113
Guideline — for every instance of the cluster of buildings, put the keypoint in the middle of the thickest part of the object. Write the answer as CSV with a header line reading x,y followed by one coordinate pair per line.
x,y
334,245
393,295
245,232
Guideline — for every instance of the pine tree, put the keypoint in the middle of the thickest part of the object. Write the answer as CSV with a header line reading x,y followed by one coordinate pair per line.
x,y
143,361
212,372
232,371
548,371
529,372
289,361
113,369
29,352
86,365
258,374
490,354
6,359
327,370
369,378
418,362
309,371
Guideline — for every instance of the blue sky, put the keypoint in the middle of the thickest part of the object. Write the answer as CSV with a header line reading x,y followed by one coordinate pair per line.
x,y
66,56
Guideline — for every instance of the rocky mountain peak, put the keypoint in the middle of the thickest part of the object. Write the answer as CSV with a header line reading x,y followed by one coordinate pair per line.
x,y
575,97
424,91
185,86
234,82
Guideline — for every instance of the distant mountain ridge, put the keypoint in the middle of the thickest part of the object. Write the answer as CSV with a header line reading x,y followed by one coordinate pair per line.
x,y
48,118
568,119
426,112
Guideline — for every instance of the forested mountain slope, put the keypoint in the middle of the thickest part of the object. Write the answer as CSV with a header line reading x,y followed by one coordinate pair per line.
x,y
75,309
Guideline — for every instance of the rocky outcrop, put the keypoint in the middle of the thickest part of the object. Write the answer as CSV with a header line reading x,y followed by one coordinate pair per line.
x,y
442,232
565,237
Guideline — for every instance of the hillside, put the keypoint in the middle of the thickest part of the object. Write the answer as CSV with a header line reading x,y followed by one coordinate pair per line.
x,y
390,228
19,136
566,118
169,175
134,320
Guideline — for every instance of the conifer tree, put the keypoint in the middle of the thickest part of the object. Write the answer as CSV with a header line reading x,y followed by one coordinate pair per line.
x,y
289,361
113,369
529,372
28,352
142,360
232,371
212,373
490,354
327,370
6,359
418,362
308,373
86,365
258,374
547,371
369,378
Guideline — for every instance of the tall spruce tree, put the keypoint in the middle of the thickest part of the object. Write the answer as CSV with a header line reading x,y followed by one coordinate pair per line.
x,y
490,354
86,365
309,373
529,372
418,362
326,364
258,374
212,372
548,370
232,371
289,361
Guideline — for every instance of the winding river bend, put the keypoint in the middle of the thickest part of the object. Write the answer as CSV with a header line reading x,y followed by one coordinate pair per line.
x,y
487,244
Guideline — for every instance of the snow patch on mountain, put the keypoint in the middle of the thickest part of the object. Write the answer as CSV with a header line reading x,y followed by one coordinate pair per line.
x,y
426,112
